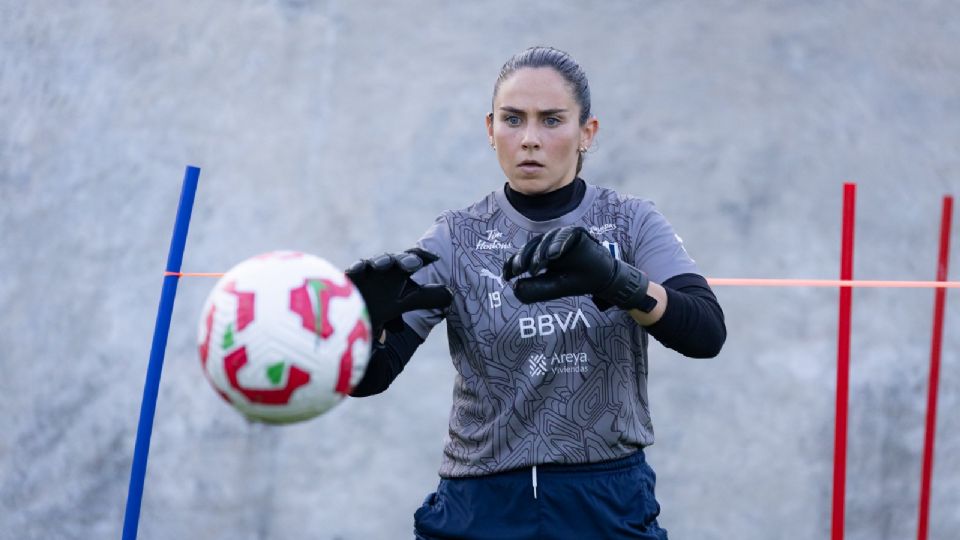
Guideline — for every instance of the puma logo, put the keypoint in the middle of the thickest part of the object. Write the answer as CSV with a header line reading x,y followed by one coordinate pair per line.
x,y
488,274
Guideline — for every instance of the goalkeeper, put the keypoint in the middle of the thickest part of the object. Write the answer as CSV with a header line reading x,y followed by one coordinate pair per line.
x,y
550,287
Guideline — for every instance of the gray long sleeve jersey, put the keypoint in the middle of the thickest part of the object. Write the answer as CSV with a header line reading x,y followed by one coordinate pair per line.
x,y
552,382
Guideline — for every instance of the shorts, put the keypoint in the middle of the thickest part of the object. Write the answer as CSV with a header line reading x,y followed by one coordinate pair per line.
x,y
609,500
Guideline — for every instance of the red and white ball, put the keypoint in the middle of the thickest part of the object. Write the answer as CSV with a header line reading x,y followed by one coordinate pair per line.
x,y
284,336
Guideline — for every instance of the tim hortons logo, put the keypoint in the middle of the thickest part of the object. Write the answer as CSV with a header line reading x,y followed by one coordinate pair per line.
x,y
492,242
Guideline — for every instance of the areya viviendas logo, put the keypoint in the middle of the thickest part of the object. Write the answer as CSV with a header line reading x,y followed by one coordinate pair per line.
x,y
540,364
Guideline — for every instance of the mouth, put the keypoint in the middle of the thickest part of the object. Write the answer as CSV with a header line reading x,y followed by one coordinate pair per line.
x,y
530,165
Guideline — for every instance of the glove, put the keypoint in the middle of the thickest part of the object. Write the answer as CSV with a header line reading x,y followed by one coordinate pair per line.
x,y
385,284
567,261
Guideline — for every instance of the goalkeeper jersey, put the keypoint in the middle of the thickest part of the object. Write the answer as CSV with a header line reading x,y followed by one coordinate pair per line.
x,y
551,382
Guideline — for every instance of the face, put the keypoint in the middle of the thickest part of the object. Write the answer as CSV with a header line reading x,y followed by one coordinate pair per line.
x,y
535,129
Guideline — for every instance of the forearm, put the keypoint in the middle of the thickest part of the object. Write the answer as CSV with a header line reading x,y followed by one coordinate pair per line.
x,y
389,358
691,321
656,291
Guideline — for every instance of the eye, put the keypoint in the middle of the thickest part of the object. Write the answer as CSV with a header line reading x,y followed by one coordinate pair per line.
x,y
551,121
512,120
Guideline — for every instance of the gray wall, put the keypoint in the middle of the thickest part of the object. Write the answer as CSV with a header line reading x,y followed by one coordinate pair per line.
x,y
342,129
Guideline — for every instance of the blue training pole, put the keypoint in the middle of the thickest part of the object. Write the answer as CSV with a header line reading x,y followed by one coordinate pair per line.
x,y
161,330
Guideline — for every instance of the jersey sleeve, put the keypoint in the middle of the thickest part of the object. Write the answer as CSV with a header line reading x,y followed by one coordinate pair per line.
x,y
657,249
437,241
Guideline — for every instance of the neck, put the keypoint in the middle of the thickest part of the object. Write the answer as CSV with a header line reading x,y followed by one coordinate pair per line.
x,y
550,205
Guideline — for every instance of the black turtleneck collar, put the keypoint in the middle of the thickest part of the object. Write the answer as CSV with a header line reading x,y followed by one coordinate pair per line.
x,y
547,206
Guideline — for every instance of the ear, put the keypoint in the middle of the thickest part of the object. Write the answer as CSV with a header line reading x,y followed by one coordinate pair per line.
x,y
489,120
588,131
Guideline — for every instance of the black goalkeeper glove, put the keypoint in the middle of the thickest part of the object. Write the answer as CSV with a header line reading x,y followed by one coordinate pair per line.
x,y
567,261
386,287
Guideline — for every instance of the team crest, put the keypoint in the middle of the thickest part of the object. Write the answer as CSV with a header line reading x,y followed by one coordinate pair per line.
x,y
613,248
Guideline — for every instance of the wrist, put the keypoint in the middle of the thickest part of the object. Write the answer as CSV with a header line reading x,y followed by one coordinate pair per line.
x,y
627,289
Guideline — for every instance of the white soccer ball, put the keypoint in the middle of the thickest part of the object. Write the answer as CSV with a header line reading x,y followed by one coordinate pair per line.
x,y
284,336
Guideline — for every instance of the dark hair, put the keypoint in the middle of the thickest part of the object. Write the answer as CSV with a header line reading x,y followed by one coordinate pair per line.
x,y
564,64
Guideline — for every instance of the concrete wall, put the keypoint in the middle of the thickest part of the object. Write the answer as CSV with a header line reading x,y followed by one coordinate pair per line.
x,y
342,128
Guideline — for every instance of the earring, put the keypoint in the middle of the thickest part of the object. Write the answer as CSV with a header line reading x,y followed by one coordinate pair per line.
x,y
582,150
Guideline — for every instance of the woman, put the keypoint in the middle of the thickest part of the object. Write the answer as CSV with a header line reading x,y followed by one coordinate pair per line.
x,y
550,287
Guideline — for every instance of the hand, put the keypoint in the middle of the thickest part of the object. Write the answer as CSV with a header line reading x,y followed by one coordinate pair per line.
x,y
385,284
567,261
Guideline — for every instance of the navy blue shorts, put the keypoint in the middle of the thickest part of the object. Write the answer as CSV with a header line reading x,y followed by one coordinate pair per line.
x,y
614,499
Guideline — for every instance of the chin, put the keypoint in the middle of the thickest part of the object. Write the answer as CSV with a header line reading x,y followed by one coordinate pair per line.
x,y
533,186
529,188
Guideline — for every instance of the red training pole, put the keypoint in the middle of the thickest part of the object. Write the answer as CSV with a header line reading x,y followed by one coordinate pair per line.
x,y
843,362
940,299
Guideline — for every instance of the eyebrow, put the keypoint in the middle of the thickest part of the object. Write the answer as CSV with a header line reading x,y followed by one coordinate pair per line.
x,y
545,112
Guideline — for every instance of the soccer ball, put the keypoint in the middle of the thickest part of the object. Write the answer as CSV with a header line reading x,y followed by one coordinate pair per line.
x,y
284,336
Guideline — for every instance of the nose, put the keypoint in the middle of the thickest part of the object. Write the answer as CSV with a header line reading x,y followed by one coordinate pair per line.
x,y
531,138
